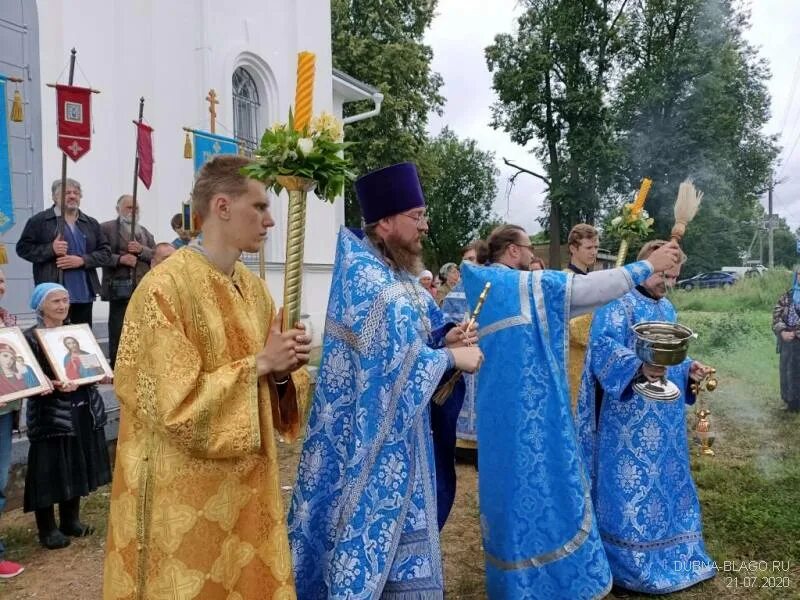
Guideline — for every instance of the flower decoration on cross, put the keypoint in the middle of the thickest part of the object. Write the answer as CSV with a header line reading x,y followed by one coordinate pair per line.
x,y
315,152
633,223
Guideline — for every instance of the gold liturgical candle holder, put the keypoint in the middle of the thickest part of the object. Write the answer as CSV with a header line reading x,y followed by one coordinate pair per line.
x,y
298,188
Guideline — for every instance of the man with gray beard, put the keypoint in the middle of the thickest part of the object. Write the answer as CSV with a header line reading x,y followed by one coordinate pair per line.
x,y
66,249
130,261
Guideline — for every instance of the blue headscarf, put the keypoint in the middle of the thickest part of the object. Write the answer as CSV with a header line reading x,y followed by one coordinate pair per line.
x,y
41,291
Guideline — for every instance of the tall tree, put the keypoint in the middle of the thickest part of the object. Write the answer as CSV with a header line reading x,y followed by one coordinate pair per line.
x,y
460,187
552,78
784,244
380,42
692,102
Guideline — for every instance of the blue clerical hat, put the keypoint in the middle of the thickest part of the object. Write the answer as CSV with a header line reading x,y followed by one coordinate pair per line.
x,y
389,191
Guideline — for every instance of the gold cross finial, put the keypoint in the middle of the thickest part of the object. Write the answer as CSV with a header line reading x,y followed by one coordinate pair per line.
x,y
212,108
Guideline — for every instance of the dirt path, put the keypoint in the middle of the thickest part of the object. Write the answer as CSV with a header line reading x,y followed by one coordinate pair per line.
x,y
69,574
76,572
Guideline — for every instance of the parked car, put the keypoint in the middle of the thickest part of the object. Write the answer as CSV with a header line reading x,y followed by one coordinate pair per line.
x,y
715,279
751,268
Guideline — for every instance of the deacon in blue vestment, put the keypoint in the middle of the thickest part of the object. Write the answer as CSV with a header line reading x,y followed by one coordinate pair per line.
x,y
455,308
540,538
363,519
454,421
636,449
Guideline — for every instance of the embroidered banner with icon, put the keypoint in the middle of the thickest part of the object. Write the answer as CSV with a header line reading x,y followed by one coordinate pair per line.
x,y
6,201
74,120
208,145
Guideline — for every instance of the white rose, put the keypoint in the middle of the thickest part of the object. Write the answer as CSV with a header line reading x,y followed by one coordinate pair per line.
x,y
305,145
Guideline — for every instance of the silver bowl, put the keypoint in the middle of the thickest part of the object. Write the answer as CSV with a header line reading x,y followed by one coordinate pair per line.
x,y
662,344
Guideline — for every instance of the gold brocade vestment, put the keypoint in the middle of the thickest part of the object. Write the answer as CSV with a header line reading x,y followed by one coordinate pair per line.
x,y
579,328
196,510
578,339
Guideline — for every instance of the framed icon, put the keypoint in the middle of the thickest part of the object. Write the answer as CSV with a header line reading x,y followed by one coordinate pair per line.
x,y
74,354
73,112
20,373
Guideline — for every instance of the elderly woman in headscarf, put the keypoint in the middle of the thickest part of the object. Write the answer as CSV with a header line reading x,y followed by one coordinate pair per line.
x,y
786,325
426,280
450,276
68,456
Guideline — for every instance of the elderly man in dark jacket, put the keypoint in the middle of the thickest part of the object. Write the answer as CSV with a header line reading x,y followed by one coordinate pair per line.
x,y
69,254
130,261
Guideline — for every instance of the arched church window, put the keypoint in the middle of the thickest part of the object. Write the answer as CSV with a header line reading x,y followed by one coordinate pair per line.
x,y
246,106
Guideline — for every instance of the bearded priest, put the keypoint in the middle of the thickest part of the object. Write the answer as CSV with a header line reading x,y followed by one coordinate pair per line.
x,y
363,520
636,448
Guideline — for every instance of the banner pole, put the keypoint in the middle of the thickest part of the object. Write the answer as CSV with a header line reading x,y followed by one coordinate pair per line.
x,y
136,170
64,154
62,222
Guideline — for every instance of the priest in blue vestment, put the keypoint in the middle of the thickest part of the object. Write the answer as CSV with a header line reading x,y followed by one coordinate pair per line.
x,y
540,537
363,518
636,449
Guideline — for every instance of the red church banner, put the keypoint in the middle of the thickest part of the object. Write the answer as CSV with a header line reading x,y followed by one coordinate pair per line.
x,y
144,147
74,120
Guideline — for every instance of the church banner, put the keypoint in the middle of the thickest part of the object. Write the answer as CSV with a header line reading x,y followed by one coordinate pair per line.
x,y
208,145
74,120
6,201
144,149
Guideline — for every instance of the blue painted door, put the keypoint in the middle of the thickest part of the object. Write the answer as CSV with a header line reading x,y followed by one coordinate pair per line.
x,y
19,57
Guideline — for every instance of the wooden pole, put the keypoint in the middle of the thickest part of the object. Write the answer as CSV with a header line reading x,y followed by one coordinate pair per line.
x,y
136,170
64,154
62,222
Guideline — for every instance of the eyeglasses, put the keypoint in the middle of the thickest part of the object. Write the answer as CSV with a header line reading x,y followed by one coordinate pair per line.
x,y
528,246
419,219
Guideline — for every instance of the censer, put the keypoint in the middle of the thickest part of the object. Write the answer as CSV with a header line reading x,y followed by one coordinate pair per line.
x,y
703,436
657,342
661,344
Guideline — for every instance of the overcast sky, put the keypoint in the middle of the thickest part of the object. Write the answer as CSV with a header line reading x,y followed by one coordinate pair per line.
x,y
463,28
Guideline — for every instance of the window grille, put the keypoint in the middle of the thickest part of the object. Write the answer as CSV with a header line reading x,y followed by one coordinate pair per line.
x,y
246,106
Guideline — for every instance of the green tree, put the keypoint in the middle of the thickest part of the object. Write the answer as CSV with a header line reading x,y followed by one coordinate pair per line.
x,y
692,101
380,42
489,226
460,187
552,78
784,246
609,91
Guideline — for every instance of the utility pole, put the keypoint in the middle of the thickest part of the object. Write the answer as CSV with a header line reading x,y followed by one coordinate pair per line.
x,y
772,218
770,224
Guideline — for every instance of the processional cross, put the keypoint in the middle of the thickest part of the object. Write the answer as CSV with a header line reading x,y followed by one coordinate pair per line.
x,y
212,108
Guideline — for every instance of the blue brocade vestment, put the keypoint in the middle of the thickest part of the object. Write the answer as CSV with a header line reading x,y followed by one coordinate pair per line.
x,y
362,523
455,308
636,451
539,534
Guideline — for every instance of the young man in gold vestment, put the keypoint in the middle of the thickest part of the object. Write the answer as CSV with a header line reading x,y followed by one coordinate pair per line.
x,y
204,377
583,244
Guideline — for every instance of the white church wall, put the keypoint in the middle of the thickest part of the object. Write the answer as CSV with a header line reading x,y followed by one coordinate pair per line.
x,y
172,53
